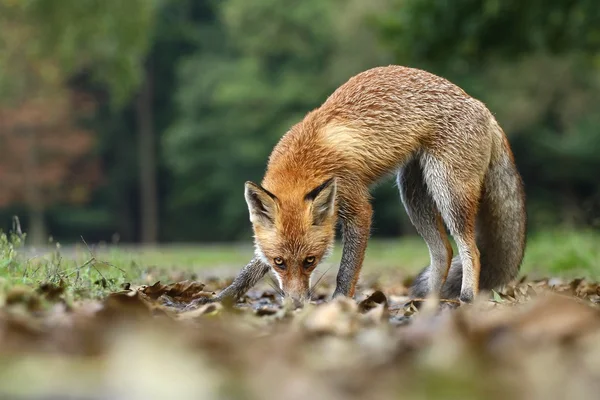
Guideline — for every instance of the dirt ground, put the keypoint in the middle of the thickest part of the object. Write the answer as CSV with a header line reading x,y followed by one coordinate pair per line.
x,y
533,340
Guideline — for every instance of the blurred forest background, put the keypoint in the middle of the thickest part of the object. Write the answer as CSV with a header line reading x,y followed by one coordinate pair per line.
x,y
140,120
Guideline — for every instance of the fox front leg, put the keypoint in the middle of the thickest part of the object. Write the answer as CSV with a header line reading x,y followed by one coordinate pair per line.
x,y
356,227
246,279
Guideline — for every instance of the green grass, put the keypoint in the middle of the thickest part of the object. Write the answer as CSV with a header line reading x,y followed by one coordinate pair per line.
x,y
86,273
563,253
407,253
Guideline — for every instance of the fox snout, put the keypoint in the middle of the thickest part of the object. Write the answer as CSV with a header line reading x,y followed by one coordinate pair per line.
x,y
297,290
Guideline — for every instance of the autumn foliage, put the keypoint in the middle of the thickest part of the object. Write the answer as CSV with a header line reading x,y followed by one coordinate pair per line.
x,y
45,154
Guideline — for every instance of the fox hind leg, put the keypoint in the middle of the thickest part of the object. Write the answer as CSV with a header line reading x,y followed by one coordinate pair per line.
x,y
457,199
426,218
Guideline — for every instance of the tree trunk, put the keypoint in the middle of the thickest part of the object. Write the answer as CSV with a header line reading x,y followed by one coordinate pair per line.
x,y
572,211
147,159
36,234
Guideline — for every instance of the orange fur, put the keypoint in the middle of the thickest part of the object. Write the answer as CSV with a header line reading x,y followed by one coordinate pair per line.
x,y
371,126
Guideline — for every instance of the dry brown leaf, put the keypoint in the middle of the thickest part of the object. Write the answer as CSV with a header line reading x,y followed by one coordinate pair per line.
x,y
184,291
536,343
373,301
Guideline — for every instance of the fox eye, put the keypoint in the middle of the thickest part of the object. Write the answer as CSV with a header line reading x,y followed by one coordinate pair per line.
x,y
279,262
308,261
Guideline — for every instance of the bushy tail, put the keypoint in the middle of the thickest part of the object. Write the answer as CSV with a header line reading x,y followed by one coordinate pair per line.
x,y
501,227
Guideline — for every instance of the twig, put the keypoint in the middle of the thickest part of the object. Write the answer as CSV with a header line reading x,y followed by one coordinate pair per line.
x,y
418,299
88,247
100,261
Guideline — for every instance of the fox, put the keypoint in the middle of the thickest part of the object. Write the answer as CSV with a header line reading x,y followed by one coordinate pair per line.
x,y
455,172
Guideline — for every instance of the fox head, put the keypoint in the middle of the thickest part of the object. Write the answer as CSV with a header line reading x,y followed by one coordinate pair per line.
x,y
293,232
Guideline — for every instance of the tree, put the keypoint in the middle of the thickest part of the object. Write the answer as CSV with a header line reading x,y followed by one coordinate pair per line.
x,y
147,159
258,68
535,64
46,42
175,34
44,157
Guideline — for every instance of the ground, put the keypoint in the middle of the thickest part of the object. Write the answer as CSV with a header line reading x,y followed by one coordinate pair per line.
x,y
112,322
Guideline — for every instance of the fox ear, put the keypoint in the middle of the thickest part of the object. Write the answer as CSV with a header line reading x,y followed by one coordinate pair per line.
x,y
261,204
323,200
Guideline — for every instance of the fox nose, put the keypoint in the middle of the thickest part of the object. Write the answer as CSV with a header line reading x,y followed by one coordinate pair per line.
x,y
298,303
297,300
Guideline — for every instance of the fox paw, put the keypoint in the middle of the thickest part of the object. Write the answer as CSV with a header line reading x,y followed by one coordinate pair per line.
x,y
200,302
466,297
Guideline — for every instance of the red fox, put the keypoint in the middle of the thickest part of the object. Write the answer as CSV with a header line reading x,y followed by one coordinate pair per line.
x,y
454,169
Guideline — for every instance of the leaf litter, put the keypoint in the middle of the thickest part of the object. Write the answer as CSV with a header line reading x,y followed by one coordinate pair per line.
x,y
535,339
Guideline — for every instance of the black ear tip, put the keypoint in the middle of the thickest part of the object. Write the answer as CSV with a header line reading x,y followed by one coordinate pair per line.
x,y
249,189
252,187
315,192
255,189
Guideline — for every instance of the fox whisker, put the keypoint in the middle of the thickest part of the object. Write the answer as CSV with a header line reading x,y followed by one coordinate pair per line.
x,y
312,289
271,282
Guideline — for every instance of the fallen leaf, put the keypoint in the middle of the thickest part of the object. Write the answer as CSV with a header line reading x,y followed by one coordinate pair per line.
x,y
372,301
183,292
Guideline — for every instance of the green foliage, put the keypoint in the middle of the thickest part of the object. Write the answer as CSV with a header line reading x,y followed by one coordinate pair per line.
x,y
259,69
231,76
80,275
263,65
110,37
106,37
464,34
536,66
8,252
